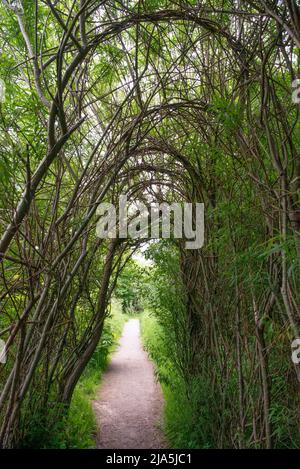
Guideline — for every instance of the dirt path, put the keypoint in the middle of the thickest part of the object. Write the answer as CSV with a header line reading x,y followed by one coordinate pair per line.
x,y
129,402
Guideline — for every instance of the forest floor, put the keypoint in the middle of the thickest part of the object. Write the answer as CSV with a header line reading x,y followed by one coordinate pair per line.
x,y
129,403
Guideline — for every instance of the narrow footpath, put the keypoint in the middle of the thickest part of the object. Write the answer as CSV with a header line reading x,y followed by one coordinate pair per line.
x,y
129,403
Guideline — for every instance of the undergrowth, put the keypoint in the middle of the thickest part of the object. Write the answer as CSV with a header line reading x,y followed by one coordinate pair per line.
x,y
78,428
183,427
81,424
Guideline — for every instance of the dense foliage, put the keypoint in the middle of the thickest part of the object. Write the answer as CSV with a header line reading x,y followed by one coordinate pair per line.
x,y
185,101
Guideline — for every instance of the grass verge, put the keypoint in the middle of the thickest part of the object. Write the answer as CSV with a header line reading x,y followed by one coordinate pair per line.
x,y
183,428
80,425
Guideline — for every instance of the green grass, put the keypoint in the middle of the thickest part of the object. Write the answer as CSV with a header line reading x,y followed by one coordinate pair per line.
x,y
185,426
80,425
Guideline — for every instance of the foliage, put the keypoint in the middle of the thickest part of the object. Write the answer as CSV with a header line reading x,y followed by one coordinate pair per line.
x,y
163,101
131,286
77,427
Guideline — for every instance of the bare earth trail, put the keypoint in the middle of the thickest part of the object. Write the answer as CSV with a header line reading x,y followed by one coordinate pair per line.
x,y
129,404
